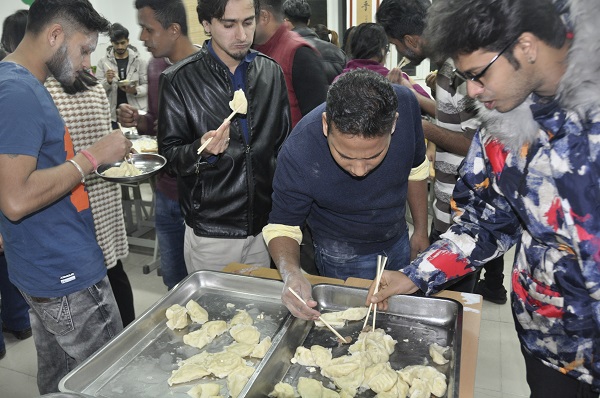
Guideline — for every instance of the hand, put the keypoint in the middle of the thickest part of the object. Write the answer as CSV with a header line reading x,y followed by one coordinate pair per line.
x,y
430,80
110,148
396,76
127,115
392,282
110,75
418,244
129,89
220,140
302,286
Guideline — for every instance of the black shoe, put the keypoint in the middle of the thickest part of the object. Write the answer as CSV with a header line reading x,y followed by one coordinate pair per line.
x,y
497,296
2,352
19,334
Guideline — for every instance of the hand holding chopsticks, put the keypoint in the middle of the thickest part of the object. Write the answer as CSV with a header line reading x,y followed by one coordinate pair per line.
x,y
381,261
343,340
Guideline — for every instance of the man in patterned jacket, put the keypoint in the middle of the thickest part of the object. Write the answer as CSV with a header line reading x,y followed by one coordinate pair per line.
x,y
530,178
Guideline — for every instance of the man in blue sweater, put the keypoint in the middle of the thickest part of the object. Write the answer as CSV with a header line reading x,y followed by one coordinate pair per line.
x,y
347,170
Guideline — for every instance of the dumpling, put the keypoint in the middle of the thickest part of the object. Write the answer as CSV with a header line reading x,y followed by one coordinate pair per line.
x,y
261,348
196,312
246,334
241,318
206,334
176,317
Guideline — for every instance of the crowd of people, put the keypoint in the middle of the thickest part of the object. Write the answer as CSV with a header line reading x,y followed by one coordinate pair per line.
x,y
331,151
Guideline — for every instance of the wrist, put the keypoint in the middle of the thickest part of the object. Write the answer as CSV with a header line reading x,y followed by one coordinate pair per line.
x,y
90,159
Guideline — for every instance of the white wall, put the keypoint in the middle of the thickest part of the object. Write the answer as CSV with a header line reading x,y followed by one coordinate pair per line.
x,y
120,11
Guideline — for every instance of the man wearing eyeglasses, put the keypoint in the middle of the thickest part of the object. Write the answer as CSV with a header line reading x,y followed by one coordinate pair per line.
x,y
530,178
452,132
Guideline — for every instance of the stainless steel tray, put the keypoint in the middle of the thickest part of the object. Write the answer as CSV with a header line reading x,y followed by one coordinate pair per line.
x,y
138,362
415,322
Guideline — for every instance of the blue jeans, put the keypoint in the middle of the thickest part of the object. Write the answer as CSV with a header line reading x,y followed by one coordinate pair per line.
x,y
170,232
69,329
14,313
343,265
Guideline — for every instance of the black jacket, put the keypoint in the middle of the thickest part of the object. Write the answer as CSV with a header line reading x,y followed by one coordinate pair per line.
x,y
334,59
230,198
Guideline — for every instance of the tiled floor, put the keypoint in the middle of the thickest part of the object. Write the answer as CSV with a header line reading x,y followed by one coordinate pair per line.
x,y
500,366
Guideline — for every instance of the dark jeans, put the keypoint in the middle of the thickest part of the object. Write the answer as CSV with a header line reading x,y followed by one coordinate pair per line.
x,y
119,282
14,313
545,382
343,265
494,273
170,232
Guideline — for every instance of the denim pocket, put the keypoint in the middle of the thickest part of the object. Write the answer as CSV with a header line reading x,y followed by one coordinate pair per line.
x,y
54,312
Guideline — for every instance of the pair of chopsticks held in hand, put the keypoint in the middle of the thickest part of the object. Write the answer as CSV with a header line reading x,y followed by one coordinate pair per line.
x,y
381,261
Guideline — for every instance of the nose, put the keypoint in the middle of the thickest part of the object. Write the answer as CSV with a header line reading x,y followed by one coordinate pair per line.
x,y
359,169
240,33
474,89
87,62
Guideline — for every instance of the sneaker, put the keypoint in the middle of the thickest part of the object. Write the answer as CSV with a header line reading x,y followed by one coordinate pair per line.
x,y
19,334
498,296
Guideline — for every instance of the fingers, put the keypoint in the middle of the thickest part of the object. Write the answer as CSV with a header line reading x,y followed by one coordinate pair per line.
x,y
304,289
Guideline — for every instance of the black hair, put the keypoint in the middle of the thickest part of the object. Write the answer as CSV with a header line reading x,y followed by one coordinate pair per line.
x,y
166,12
13,30
402,17
3,54
209,9
370,114
457,27
297,11
368,40
118,32
83,81
74,15
346,39
275,6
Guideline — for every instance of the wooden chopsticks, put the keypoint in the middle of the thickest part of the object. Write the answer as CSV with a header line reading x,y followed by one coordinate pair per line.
x,y
381,261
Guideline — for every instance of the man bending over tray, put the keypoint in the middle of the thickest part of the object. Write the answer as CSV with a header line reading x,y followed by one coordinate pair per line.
x,y
530,178
51,249
347,170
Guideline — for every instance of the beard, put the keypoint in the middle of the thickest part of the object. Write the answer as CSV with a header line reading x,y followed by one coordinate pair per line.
x,y
238,56
61,67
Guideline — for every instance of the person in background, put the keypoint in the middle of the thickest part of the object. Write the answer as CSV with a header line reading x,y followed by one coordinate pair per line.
x,y
451,133
301,63
85,110
224,191
123,63
297,14
43,199
345,39
14,316
530,178
327,34
165,35
369,152
368,48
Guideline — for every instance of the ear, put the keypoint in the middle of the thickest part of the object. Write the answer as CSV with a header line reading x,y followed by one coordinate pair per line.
x,y
55,35
394,125
324,121
206,25
264,17
175,30
412,41
527,48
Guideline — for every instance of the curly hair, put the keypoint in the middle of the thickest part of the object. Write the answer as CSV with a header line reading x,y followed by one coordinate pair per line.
x,y
369,114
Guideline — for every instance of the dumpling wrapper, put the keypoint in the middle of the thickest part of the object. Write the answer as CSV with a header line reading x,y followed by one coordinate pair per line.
x,y
241,318
437,353
282,390
246,334
239,103
187,372
237,379
206,334
261,348
207,390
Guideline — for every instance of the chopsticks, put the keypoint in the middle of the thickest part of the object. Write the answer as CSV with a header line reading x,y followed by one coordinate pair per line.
x,y
381,261
234,112
339,336
203,146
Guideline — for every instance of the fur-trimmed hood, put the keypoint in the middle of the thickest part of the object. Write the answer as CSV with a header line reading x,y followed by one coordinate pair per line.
x,y
579,89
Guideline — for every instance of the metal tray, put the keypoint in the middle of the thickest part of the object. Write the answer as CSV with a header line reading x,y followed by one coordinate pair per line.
x,y
415,322
138,362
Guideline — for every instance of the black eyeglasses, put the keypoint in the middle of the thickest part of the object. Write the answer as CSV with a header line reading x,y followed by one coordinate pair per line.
x,y
475,78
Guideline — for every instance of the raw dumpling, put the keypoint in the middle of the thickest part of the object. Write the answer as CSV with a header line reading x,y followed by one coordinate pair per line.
x,y
241,318
222,363
380,377
187,372
196,312
419,389
304,357
176,317
309,388
238,378
333,318
261,348
239,103
246,334
241,349
355,313
437,353
208,390
282,390
321,355
206,334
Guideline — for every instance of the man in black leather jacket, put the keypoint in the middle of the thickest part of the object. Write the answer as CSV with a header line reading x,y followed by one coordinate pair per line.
x,y
297,14
224,192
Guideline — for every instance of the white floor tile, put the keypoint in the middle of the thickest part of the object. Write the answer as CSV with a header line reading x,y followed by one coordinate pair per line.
x,y
17,385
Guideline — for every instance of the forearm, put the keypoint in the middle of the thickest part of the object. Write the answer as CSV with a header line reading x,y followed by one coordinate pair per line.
x,y
418,204
27,192
285,252
448,140
427,105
